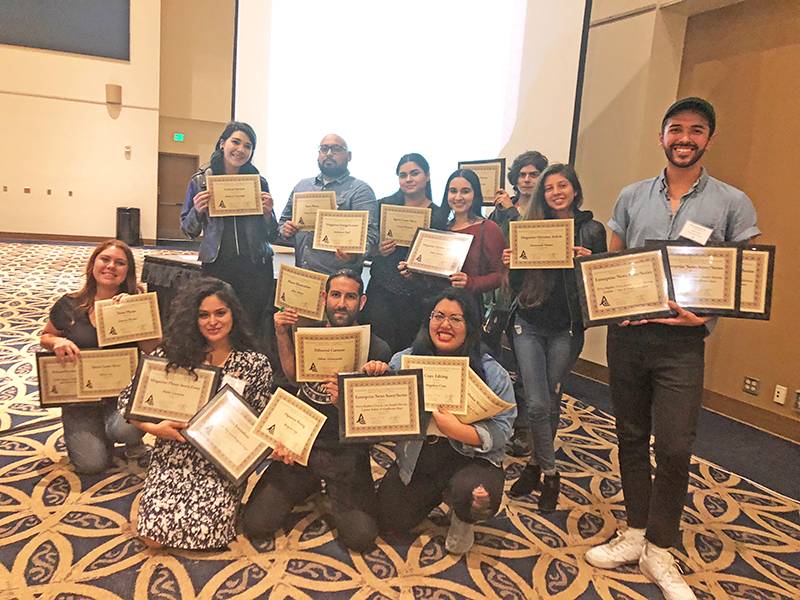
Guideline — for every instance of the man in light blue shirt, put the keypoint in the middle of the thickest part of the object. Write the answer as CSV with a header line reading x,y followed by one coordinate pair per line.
x,y
351,194
656,366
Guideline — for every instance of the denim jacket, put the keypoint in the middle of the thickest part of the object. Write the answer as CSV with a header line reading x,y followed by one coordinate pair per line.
x,y
259,231
493,432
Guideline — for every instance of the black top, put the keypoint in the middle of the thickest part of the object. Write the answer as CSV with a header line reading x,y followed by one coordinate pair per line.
x,y
73,323
235,238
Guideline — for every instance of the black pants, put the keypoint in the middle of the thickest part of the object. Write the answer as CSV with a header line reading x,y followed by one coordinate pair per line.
x,y
393,317
656,377
441,473
348,482
253,283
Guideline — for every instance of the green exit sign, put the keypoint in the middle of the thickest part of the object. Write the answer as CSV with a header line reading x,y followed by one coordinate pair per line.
x,y
178,137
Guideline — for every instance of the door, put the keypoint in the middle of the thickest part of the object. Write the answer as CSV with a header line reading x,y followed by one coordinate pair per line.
x,y
174,173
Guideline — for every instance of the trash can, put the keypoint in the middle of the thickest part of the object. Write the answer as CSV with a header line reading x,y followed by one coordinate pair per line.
x,y
128,226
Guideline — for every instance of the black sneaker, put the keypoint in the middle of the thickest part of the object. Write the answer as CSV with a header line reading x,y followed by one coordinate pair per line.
x,y
551,487
518,446
530,479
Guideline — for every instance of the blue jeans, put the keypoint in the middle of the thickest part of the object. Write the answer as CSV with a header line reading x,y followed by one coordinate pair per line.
x,y
544,358
90,431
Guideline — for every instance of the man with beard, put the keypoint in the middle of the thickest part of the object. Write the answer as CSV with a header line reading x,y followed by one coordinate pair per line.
x,y
344,468
656,365
351,194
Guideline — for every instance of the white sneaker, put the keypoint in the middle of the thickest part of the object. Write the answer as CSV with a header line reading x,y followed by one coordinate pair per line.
x,y
658,565
625,549
460,536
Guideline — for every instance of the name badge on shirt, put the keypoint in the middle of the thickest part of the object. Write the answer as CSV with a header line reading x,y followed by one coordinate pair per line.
x,y
696,232
236,383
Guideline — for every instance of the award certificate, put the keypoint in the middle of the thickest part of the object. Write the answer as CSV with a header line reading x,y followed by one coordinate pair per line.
x,y
306,204
132,319
175,394
58,383
633,284
104,373
383,407
221,431
344,230
400,223
444,378
545,244
438,253
234,195
482,402
704,278
289,421
321,352
302,290
755,297
491,173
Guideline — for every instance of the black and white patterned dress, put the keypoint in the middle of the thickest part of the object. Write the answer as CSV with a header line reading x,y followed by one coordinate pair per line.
x,y
186,502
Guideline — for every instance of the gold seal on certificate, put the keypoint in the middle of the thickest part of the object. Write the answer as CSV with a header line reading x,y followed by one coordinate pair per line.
x,y
132,319
344,230
322,352
104,373
400,223
383,407
544,244
221,431
58,383
491,173
306,204
704,277
633,284
755,287
289,421
175,394
234,195
302,290
438,253
444,378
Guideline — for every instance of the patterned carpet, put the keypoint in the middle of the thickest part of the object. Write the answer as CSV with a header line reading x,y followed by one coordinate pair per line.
x,y
69,537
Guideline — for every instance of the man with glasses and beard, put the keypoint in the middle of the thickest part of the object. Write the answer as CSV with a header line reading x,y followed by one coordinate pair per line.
x,y
344,468
656,365
351,194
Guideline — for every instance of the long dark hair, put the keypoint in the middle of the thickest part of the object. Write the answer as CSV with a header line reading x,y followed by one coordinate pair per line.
x,y
183,343
417,158
538,283
217,160
475,183
85,296
423,344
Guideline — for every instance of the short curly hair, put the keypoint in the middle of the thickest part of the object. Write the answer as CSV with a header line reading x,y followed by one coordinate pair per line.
x,y
531,157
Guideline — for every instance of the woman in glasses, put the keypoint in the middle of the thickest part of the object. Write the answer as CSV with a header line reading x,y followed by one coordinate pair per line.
x,y
463,463
548,328
389,293
234,249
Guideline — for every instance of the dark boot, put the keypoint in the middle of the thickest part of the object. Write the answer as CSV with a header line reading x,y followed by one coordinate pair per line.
x,y
529,480
551,487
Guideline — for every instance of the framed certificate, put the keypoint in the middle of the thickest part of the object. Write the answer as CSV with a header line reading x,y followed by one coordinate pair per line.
x,y
306,204
221,431
234,195
438,253
482,402
632,284
58,383
755,285
400,223
104,373
344,230
545,244
132,319
302,290
704,278
383,407
444,380
174,394
322,352
491,173
289,421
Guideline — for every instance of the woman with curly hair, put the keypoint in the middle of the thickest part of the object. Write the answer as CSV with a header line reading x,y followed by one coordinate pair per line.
x,y
186,502
90,430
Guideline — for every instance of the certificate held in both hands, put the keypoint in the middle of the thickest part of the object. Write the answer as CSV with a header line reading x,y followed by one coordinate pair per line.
x,y
543,244
234,195
400,223
322,352
445,380
221,432
344,230
134,318
174,394
289,421
438,253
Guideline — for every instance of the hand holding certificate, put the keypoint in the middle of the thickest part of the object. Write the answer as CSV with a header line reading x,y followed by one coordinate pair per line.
x,y
234,195
134,318
545,244
306,204
400,223
289,421
438,253
322,352
344,230
302,290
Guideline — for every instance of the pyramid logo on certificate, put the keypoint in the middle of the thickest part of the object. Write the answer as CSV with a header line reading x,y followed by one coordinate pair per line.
x,y
271,429
149,400
360,420
112,331
523,255
604,301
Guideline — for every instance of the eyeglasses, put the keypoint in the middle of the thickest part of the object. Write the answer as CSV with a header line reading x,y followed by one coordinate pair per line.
x,y
332,149
455,321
